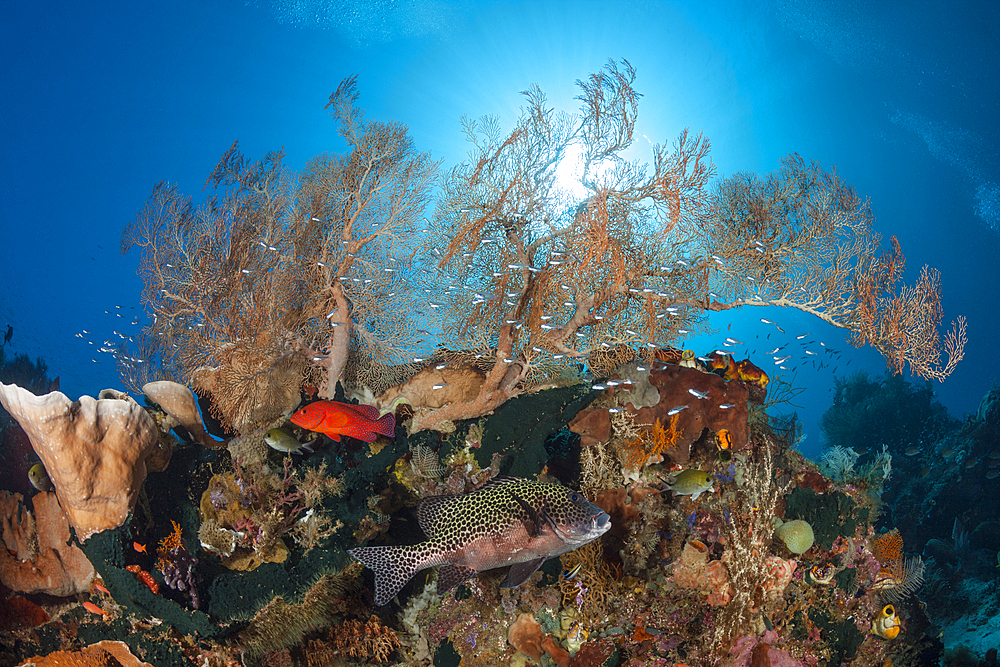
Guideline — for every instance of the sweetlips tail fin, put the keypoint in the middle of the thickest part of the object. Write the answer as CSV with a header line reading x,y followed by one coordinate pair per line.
x,y
393,567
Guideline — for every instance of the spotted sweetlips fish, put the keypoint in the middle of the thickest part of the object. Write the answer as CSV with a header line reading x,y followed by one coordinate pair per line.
x,y
506,521
336,419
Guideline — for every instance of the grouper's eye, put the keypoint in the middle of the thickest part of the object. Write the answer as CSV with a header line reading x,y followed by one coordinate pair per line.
x,y
574,497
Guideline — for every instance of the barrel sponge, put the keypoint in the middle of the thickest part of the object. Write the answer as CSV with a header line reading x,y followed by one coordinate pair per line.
x,y
797,536
94,451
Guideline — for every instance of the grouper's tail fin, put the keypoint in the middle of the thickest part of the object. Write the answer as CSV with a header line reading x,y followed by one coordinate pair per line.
x,y
393,567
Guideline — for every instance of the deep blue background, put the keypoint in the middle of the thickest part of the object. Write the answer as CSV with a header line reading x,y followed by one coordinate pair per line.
x,y
101,100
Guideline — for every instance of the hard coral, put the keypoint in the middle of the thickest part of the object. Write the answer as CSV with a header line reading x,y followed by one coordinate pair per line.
x,y
94,451
37,557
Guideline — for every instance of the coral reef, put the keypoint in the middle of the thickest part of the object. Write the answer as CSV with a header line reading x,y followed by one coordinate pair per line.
x,y
797,536
245,514
526,635
279,624
368,641
178,566
692,570
726,547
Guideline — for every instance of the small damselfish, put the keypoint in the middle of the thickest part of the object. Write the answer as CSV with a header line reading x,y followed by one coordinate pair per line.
x,y
506,521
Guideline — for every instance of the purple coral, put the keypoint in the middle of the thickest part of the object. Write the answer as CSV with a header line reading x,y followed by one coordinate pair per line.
x,y
179,572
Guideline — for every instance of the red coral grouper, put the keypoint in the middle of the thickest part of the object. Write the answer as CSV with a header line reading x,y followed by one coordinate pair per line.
x,y
337,419
506,521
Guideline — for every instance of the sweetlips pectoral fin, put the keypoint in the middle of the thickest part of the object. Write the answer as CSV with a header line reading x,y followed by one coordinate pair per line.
x,y
519,572
451,575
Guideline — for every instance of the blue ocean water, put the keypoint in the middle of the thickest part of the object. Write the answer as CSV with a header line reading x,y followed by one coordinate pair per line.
x,y
101,101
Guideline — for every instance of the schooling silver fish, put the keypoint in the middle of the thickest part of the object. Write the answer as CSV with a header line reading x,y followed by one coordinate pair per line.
x,y
506,521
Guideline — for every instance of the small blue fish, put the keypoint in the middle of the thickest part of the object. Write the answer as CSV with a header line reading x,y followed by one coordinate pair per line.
x,y
674,411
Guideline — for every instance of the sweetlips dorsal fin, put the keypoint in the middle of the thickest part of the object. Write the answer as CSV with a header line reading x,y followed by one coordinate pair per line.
x,y
494,482
428,511
451,575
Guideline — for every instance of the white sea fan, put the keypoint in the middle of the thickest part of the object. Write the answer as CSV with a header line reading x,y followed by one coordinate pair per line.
x,y
903,579
838,463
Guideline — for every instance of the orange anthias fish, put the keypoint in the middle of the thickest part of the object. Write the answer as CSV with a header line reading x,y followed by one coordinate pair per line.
x,y
141,548
336,419
93,608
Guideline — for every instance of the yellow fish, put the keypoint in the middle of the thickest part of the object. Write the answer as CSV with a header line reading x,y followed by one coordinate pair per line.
x,y
283,441
39,478
692,483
